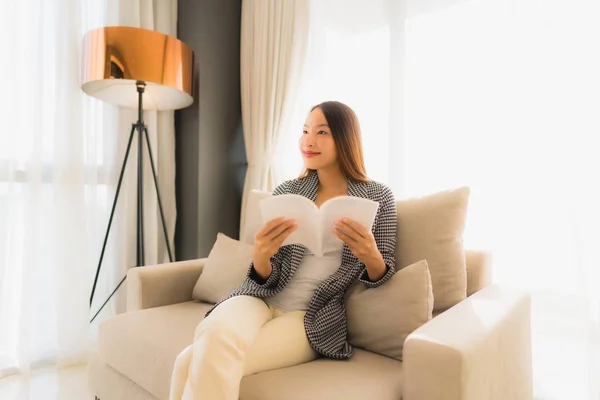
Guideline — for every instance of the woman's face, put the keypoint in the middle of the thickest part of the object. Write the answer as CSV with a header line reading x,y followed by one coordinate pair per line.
x,y
316,143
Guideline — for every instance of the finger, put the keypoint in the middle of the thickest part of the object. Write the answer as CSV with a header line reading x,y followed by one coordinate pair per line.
x,y
355,247
266,228
280,229
339,235
348,241
271,226
354,226
284,235
348,232
268,245
345,236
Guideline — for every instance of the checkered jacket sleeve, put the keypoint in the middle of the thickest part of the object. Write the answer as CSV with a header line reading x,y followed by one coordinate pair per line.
x,y
276,260
384,231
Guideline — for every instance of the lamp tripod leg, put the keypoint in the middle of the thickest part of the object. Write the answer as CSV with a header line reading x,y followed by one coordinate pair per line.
x,y
108,298
160,207
112,212
140,260
142,130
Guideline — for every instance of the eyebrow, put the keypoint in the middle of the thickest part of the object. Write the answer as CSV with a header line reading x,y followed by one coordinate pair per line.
x,y
318,126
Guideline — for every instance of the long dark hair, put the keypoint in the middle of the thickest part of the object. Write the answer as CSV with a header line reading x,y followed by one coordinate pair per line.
x,y
345,129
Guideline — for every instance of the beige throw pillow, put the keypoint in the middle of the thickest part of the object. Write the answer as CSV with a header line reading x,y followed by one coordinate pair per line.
x,y
226,268
431,228
380,319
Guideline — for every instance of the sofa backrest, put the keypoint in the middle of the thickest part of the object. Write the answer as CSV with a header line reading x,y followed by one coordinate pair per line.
x,y
479,270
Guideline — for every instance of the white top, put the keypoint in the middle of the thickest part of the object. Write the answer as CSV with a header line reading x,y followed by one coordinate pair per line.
x,y
311,272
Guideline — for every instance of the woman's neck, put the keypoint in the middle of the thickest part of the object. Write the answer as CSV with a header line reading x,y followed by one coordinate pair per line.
x,y
332,180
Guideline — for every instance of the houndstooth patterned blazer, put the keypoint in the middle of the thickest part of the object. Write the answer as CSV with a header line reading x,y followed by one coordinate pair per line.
x,y
325,321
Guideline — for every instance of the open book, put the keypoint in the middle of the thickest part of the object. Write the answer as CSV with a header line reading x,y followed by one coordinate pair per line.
x,y
315,225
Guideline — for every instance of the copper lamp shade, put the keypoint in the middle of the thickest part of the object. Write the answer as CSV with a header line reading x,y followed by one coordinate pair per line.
x,y
114,58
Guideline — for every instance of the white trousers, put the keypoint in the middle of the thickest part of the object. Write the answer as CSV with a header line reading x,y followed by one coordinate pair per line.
x,y
242,336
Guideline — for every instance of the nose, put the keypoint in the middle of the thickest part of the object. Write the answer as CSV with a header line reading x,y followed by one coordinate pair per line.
x,y
309,140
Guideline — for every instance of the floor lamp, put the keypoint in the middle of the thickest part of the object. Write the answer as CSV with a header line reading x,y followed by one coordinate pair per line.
x,y
143,69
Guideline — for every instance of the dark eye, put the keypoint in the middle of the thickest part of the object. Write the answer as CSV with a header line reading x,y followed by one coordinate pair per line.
x,y
305,132
322,133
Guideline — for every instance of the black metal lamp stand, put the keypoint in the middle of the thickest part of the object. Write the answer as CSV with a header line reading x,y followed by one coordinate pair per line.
x,y
142,131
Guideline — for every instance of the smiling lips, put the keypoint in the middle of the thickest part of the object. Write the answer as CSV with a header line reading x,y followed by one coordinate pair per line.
x,y
310,153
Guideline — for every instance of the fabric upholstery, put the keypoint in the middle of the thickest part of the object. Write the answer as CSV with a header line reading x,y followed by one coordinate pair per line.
x,y
431,228
225,269
366,376
380,320
143,345
479,270
479,349
161,285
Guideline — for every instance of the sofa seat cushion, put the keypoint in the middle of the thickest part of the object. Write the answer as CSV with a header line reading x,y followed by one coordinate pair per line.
x,y
366,376
143,345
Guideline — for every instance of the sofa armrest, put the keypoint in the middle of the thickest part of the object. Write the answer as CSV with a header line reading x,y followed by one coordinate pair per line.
x,y
478,349
163,284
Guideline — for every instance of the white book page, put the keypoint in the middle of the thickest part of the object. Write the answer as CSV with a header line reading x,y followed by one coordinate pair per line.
x,y
358,209
300,208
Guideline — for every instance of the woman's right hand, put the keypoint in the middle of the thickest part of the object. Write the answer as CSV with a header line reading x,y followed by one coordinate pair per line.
x,y
268,240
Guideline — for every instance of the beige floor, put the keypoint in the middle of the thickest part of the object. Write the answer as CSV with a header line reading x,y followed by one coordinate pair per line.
x,y
47,384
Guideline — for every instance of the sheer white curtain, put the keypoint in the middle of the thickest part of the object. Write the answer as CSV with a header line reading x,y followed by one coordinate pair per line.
x,y
60,155
500,95
273,43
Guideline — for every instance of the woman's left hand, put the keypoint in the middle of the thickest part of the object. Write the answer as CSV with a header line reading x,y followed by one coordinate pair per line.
x,y
360,240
